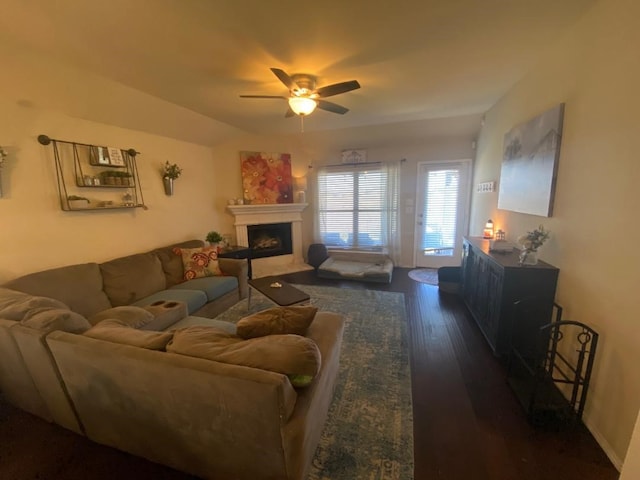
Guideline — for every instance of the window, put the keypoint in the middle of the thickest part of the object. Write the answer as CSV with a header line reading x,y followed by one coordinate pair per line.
x,y
357,206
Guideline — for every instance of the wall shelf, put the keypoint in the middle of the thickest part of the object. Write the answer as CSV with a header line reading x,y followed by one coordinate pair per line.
x,y
104,170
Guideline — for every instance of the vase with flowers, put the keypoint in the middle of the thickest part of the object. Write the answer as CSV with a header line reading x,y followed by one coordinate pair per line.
x,y
170,172
530,243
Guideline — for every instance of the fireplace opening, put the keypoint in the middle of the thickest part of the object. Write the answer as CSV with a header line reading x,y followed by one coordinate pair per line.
x,y
270,240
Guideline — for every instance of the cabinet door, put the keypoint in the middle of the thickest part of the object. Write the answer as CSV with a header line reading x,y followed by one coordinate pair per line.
x,y
495,276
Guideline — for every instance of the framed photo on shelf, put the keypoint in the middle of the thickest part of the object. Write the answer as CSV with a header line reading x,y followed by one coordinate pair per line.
x,y
98,156
115,156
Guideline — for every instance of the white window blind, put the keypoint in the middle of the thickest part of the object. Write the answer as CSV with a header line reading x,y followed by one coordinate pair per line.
x,y
353,207
441,209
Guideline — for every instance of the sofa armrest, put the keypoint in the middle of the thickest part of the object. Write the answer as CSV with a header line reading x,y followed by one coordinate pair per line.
x,y
239,268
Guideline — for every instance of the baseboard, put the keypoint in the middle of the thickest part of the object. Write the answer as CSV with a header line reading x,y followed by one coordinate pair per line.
x,y
604,444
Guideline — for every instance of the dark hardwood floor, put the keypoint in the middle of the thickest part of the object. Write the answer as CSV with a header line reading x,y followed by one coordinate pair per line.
x,y
467,423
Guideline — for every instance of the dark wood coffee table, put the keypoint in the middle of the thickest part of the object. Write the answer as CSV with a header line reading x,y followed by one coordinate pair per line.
x,y
285,296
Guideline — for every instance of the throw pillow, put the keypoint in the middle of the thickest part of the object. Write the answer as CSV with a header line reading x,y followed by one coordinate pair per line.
x,y
277,321
50,319
118,331
200,262
135,317
286,354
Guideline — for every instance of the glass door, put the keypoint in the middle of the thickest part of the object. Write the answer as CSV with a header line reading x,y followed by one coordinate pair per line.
x,y
442,210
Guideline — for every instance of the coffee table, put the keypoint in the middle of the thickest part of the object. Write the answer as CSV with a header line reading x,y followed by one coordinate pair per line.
x,y
284,296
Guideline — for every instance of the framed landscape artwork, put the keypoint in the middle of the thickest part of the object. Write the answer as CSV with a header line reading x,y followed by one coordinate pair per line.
x,y
530,164
266,178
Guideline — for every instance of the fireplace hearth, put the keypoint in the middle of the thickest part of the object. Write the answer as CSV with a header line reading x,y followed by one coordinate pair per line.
x,y
270,240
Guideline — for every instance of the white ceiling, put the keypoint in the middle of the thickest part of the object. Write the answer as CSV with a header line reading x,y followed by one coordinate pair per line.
x,y
420,59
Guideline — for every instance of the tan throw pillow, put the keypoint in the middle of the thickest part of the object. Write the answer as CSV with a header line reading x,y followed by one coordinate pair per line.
x,y
277,321
286,354
199,262
48,320
135,317
118,331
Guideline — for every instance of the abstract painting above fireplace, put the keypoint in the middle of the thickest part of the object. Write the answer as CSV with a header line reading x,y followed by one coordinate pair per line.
x,y
266,178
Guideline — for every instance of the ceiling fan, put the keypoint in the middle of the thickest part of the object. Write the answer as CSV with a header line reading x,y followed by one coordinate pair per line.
x,y
304,97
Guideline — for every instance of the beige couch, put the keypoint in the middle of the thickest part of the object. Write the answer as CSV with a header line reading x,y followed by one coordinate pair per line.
x,y
197,415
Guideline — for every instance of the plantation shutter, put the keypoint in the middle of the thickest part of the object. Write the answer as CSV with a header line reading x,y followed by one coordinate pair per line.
x,y
351,206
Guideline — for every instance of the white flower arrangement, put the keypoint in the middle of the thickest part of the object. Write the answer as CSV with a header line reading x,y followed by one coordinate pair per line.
x,y
171,170
533,239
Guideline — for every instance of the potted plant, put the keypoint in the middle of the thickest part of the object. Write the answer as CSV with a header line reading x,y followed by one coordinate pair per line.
x,y
109,177
170,172
127,178
214,239
75,202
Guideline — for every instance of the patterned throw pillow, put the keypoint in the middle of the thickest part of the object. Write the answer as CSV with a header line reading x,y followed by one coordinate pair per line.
x,y
199,262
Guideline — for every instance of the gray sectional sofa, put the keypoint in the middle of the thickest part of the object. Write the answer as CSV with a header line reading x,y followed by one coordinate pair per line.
x,y
141,280
127,391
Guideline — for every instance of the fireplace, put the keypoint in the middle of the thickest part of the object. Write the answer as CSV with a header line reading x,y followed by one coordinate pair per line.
x,y
247,216
270,239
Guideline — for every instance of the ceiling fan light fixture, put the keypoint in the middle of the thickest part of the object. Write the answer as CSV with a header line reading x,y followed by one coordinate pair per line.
x,y
302,105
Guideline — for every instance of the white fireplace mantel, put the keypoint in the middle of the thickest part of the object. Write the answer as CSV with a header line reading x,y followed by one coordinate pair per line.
x,y
277,208
271,213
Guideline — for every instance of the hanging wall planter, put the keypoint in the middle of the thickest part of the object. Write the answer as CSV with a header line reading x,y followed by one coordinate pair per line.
x,y
168,186
170,172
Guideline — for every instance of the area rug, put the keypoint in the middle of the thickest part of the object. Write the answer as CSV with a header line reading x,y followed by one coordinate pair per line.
x,y
369,431
425,275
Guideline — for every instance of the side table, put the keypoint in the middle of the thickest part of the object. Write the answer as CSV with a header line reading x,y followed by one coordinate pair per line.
x,y
237,251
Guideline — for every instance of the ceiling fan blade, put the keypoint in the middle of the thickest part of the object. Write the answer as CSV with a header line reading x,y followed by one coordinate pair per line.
x,y
337,88
285,78
290,113
262,96
332,107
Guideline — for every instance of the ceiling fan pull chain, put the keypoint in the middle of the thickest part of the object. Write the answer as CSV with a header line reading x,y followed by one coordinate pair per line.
x,y
301,123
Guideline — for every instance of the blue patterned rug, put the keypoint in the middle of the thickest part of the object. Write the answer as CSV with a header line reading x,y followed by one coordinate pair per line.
x,y
369,432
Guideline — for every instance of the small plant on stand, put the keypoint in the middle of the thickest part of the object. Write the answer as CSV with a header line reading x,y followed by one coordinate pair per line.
x,y
215,239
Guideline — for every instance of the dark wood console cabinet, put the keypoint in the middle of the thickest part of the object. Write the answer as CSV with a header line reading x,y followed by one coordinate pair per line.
x,y
492,282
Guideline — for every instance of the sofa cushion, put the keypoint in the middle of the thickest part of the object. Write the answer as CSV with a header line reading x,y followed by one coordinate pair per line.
x,y
199,262
135,317
15,305
79,287
119,331
128,279
192,321
213,287
172,261
286,354
195,299
56,319
277,320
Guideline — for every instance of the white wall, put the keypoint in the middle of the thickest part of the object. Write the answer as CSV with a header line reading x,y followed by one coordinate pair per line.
x,y
631,467
38,96
595,70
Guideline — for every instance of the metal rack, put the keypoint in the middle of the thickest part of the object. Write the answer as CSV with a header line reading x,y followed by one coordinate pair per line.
x,y
91,167
550,366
